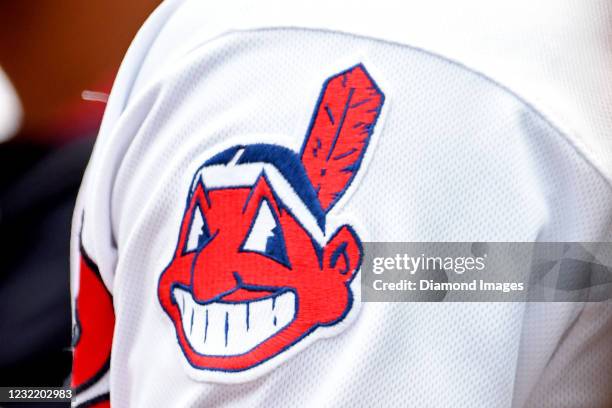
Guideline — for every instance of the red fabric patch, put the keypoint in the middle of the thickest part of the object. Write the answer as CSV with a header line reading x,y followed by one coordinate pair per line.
x,y
343,121
96,321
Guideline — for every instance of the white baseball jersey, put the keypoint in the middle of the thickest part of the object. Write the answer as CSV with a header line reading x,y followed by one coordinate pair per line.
x,y
249,149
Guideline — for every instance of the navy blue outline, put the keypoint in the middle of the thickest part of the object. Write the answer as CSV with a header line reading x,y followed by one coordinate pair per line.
x,y
330,116
197,256
354,168
347,310
339,251
206,241
274,293
275,196
100,398
318,249
272,154
342,119
224,157
285,160
226,328
284,262
206,323
92,265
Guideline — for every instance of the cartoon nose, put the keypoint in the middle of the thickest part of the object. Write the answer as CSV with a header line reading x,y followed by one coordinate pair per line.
x,y
213,280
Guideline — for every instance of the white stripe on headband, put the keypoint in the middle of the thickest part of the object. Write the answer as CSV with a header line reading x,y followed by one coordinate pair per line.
x,y
247,174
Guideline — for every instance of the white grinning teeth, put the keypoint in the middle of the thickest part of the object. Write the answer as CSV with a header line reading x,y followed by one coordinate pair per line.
x,y
226,329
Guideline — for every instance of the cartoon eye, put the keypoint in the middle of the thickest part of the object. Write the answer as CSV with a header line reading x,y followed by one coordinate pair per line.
x,y
199,235
266,236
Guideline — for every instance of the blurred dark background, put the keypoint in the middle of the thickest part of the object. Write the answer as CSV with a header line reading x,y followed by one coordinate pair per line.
x,y
59,58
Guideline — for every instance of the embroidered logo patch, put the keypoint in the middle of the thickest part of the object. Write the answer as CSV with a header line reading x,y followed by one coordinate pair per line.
x,y
258,273
92,335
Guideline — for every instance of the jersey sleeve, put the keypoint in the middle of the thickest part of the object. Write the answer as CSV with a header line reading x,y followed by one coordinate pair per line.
x,y
240,168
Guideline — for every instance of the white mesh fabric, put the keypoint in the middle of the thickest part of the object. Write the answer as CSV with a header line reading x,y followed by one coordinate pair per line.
x,y
459,158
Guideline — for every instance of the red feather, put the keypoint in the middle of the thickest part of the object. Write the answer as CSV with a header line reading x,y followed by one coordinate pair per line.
x,y
348,107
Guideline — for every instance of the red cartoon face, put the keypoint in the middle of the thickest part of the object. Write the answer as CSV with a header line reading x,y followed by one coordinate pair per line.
x,y
248,281
256,269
